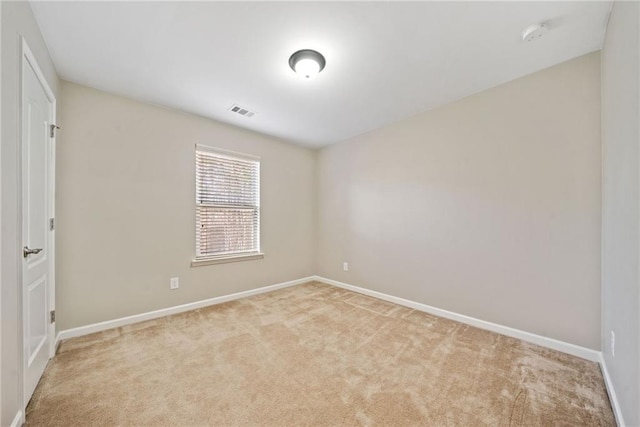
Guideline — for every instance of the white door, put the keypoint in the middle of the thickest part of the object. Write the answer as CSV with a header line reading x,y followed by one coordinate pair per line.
x,y
38,107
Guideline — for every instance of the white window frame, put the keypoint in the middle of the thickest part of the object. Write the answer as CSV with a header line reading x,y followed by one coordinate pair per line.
x,y
233,257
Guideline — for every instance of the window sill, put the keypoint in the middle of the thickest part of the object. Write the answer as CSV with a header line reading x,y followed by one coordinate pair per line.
x,y
225,259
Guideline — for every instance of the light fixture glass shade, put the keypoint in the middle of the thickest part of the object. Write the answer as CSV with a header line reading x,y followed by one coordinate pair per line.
x,y
307,68
307,63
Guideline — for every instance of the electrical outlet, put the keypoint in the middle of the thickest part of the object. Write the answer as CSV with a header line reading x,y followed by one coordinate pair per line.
x,y
613,343
345,266
174,283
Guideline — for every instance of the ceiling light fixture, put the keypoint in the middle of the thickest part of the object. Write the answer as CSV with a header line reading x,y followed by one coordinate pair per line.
x,y
307,63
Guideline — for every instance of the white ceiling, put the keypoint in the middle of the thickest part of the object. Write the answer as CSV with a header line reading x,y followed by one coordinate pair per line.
x,y
385,60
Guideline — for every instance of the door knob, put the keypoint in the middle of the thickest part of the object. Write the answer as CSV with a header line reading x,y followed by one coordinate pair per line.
x,y
26,251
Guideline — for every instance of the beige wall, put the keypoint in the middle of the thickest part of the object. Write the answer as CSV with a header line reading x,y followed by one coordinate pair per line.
x,y
489,206
621,205
126,213
17,21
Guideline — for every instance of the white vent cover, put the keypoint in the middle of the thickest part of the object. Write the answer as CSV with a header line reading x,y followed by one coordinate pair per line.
x,y
241,110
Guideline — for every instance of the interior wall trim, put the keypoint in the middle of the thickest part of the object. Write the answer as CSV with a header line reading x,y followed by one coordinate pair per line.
x,y
17,420
575,350
122,321
565,347
611,391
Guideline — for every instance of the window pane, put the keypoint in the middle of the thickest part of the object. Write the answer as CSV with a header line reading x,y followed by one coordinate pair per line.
x,y
227,205
226,230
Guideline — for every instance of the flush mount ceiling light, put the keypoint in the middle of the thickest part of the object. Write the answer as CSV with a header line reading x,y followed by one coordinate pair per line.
x,y
307,63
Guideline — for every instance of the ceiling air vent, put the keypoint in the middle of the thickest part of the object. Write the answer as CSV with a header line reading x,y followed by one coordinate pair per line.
x,y
241,110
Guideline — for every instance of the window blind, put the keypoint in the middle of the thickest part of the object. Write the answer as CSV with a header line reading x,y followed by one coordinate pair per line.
x,y
227,204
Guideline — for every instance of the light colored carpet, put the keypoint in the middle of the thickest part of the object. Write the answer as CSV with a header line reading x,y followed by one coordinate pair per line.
x,y
313,355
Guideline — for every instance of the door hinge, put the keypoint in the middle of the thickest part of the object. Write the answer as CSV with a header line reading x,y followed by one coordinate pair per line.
x,y
52,224
52,130
53,316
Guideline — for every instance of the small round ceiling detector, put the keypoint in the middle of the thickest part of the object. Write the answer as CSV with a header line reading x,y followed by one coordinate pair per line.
x,y
534,32
307,63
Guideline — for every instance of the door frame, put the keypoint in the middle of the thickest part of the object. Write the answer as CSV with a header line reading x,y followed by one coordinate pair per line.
x,y
27,59
1,259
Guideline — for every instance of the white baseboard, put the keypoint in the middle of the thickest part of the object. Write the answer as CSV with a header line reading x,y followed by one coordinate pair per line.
x,y
575,350
562,346
17,420
109,324
615,405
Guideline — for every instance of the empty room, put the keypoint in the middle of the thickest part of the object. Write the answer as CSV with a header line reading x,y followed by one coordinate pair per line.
x,y
320,213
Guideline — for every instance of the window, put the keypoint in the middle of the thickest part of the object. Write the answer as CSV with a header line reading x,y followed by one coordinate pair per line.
x,y
227,205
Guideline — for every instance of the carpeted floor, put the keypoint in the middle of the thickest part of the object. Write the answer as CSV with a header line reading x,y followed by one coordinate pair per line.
x,y
313,355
